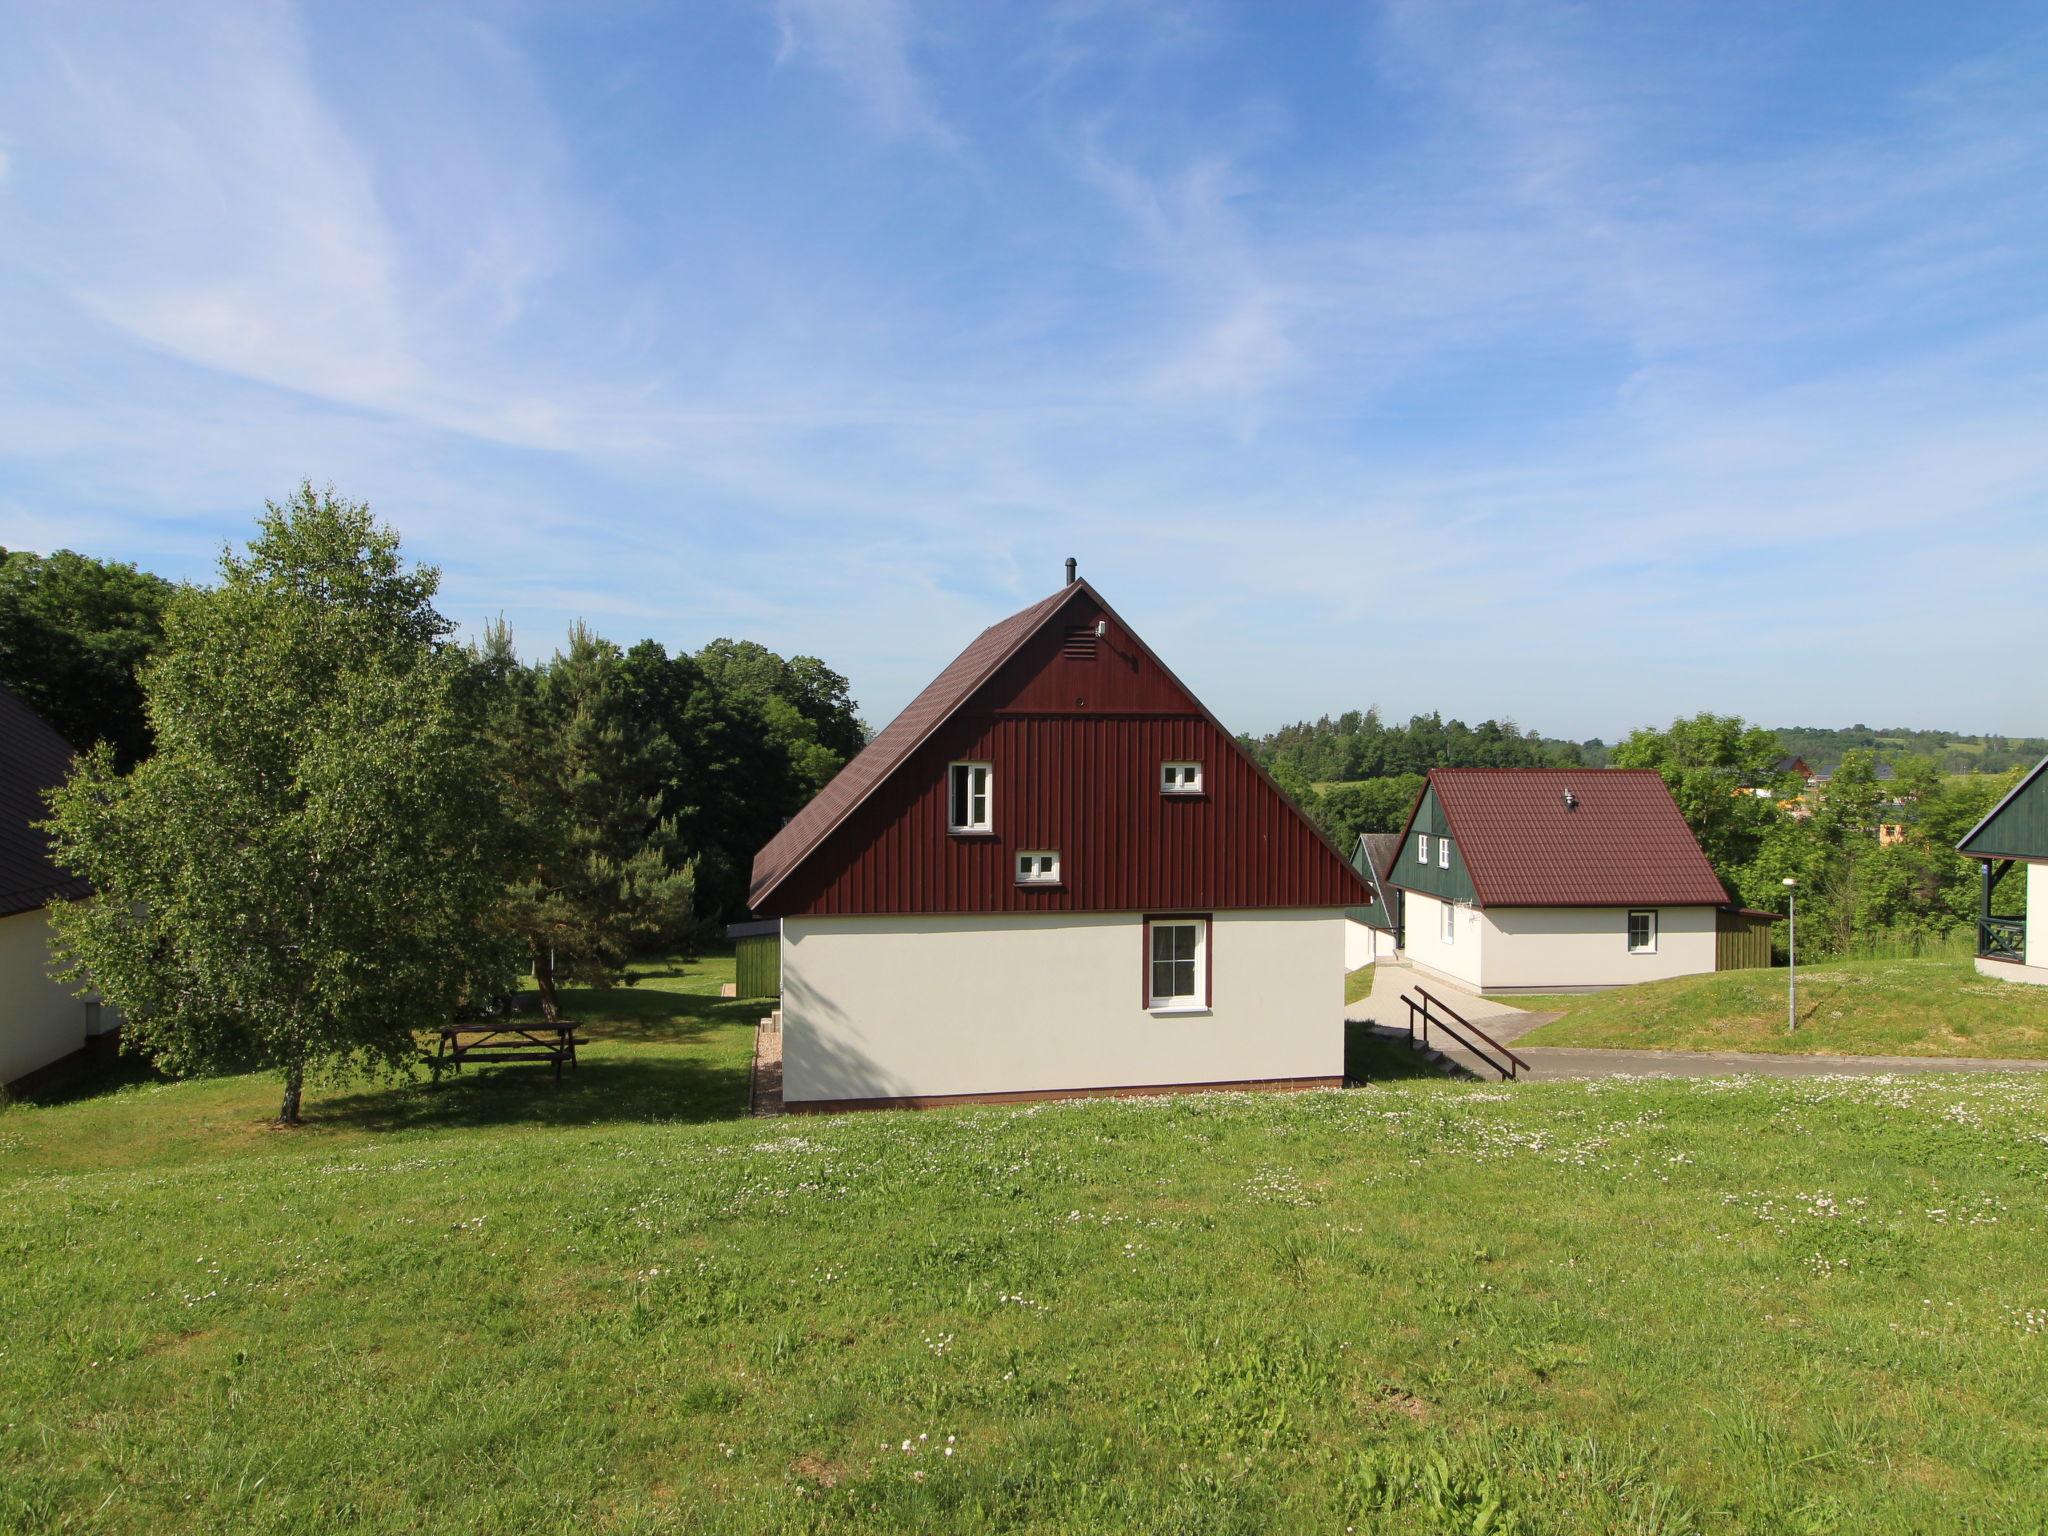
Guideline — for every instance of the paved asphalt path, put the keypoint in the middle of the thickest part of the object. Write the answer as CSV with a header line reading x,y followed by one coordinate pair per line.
x,y
1546,1061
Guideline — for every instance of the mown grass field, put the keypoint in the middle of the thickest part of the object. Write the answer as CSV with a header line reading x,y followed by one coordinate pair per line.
x,y
1420,1306
1846,1008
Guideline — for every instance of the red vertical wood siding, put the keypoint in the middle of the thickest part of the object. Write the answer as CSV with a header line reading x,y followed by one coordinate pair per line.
x,y
1076,747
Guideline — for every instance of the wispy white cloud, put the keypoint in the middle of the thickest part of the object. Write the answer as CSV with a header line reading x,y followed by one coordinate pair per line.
x,y
1512,346
867,44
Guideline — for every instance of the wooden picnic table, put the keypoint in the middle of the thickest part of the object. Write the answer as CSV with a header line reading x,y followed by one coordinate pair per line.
x,y
536,1040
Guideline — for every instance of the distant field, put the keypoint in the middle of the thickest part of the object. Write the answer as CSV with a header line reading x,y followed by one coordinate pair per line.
x,y
1865,1008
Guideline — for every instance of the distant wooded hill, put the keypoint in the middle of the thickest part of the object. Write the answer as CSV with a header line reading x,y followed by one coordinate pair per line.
x,y
1360,745
1953,752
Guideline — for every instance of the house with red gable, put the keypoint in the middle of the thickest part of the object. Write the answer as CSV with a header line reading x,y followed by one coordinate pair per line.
x,y
1563,879
1055,872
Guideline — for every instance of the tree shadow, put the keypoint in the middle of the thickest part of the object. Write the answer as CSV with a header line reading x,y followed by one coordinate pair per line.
x,y
649,1013
600,1090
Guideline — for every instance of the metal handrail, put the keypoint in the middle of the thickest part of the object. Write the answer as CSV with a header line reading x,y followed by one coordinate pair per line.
x,y
1450,1025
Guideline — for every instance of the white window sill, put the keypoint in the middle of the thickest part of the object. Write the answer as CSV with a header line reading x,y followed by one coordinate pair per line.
x,y
1164,1012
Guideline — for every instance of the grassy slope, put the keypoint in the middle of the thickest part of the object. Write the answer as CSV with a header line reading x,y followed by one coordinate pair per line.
x,y
1873,1008
495,1305
1358,985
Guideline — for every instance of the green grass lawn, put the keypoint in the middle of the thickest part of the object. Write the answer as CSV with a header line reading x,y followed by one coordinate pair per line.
x,y
1859,1008
496,1305
1357,985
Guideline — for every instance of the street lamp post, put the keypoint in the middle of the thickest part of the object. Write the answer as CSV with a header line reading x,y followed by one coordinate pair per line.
x,y
1792,959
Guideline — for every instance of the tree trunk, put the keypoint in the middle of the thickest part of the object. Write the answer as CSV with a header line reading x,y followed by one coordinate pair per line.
x,y
294,1086
544,982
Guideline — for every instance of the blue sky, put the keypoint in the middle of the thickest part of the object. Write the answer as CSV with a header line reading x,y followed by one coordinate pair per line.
x,y
1580,364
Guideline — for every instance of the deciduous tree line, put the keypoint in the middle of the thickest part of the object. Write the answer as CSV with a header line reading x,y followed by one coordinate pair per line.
x,y
318,823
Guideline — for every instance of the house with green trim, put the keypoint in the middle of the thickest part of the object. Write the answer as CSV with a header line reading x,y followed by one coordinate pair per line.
x,y
1562,879
2014,833
1373,932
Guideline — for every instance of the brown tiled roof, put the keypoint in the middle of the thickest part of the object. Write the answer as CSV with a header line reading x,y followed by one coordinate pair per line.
x,y
896,741
1624,844
33,759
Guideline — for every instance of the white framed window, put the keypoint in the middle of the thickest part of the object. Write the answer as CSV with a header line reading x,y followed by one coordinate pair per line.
x,y
1443,853
1038,866
1180,778
1450,920
1177,964
1642,933
970,797
1422,847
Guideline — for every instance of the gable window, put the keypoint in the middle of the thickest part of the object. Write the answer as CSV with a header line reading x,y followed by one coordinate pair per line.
x,y
1450,923
1443,853
1180,778
1642,933
971,795
1038,867
1422,847
1177,964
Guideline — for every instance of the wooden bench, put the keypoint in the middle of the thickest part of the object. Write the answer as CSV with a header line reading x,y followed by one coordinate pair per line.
x,y
537,1041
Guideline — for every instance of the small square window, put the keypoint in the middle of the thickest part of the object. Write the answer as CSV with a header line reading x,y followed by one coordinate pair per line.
x,y
1642,933
1180,778
1038,867
1443,853
970,797
1422,847
1177,976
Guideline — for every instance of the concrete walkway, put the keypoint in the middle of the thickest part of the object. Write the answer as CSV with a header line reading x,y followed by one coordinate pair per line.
x,y
1508,1024
1384,1007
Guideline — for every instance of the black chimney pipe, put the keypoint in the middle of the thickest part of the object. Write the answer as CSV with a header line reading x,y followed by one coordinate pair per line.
x,y
1072,566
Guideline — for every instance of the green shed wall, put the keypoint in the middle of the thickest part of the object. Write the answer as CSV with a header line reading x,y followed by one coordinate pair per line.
x,y
758,966
1742,942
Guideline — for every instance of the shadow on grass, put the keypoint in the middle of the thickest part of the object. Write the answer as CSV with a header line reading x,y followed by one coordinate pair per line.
x,y
1372,1058
78,1078
603,1089
652,1013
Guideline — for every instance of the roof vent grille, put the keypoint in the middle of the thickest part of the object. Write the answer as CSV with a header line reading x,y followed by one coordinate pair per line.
x,y
1080,644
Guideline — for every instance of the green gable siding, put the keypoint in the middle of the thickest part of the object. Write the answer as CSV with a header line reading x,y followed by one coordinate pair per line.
x,y
1376,915
2018,829
1453,884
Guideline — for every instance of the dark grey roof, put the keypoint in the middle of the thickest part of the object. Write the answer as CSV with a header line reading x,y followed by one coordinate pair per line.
x,y
1383,848
33,760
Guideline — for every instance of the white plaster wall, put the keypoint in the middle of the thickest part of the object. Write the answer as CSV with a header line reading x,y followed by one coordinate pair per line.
x,y
40,1021
2037,914
1359,944
1588,946
1460,960
904,1007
